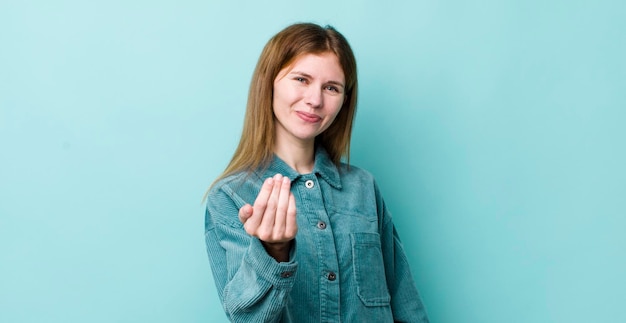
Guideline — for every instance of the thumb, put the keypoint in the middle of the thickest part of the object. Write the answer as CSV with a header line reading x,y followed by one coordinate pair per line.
x,y
245,213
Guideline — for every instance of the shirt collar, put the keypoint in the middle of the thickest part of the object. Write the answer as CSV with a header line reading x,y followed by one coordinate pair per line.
x,y
323,167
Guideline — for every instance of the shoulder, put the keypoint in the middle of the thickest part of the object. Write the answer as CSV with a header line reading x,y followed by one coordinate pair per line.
x,y
357,178
238,189
227,195
229,181
350,172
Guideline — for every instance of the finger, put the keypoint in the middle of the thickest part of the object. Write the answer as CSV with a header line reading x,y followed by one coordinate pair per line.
x,y
245,212
291,224
267,224
281,210
253,222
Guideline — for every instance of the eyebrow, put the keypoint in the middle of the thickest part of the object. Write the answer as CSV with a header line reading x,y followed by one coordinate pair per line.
x,y
309,76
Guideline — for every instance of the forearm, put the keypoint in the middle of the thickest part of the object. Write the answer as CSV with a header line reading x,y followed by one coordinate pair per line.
x,y
406,302
254,287
279,251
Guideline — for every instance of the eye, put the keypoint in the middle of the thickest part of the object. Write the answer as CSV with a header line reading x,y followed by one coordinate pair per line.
x,y
332,88
300,79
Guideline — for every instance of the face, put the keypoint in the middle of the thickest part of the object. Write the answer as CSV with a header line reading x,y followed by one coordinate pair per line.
x,y
308,95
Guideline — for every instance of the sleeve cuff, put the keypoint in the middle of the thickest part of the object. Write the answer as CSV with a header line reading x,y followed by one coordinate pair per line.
x,y
281,275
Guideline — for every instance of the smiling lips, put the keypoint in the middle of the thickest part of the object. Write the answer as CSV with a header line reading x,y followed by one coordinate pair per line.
x,y
308,117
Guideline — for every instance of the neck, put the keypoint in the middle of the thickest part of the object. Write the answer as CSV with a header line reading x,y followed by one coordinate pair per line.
x,y
298,155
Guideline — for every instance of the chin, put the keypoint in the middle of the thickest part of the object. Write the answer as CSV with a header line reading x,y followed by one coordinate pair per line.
x,y
305,136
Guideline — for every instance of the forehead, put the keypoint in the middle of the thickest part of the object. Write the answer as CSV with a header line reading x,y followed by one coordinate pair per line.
x,y
324,65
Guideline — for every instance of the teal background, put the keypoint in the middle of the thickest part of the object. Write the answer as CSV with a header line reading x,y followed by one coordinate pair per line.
x,y
495,130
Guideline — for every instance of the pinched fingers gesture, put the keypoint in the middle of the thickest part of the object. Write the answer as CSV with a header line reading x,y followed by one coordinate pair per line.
x,y
272,218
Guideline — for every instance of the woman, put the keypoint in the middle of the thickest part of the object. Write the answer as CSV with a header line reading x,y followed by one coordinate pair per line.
x,y
293,234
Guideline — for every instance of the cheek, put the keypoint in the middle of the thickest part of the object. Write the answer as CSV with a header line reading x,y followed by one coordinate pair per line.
x,y
338,105
287,90
333,116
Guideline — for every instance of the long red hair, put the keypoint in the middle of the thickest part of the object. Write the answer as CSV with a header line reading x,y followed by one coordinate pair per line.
x,y
256,145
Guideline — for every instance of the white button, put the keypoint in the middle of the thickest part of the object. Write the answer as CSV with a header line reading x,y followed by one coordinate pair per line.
x,y
309,184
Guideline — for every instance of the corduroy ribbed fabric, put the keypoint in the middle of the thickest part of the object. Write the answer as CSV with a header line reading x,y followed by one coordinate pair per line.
x,y
347,263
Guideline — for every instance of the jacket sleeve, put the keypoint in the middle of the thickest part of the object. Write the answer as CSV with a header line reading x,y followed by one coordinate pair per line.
x,y
252,286
406,303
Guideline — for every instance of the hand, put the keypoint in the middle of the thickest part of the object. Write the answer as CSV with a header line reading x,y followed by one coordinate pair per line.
x,y
272,219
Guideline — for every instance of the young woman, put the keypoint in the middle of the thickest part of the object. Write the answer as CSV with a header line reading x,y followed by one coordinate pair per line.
x,y
293,233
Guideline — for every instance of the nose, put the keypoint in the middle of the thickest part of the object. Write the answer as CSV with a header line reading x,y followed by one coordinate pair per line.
x,y
314,97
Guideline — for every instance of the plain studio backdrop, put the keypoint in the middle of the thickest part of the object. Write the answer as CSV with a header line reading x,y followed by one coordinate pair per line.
x,y
495,130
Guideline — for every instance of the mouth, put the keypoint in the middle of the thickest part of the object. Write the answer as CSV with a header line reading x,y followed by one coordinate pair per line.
x,y
308,117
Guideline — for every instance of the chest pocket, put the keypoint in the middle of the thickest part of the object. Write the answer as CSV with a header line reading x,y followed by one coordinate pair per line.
x,y
369,269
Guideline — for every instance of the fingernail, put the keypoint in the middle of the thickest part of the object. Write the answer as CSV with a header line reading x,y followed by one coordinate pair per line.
x,y
285,179
278,177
